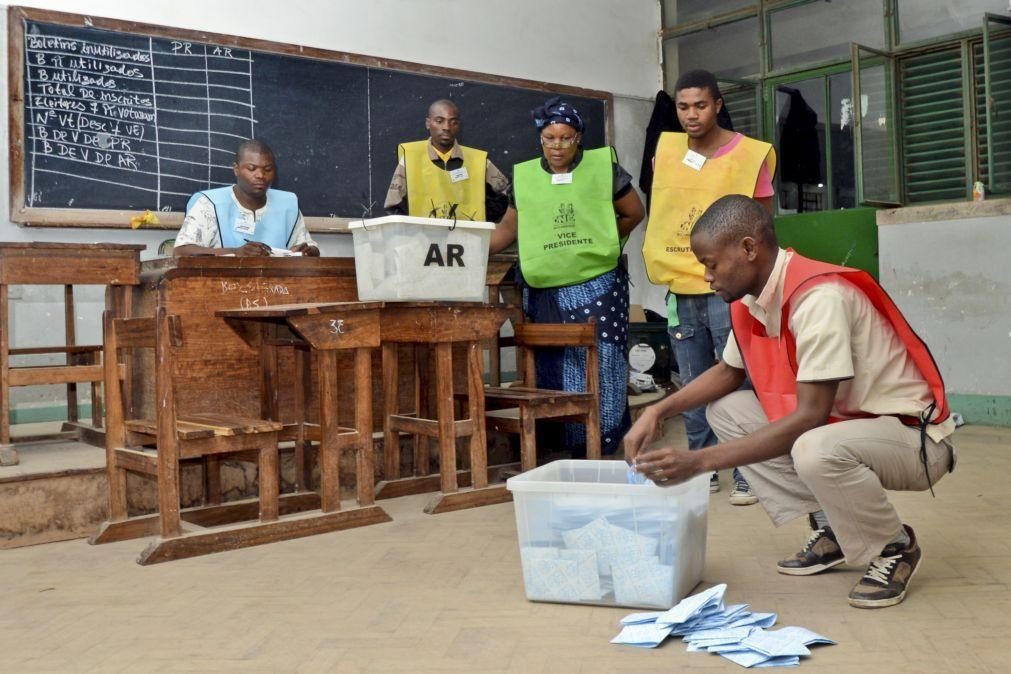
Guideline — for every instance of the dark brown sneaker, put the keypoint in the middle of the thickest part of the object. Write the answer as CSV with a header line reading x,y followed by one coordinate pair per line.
x,y
821,553
888,575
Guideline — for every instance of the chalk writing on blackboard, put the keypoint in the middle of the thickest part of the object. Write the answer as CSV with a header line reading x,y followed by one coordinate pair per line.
x,y
159,116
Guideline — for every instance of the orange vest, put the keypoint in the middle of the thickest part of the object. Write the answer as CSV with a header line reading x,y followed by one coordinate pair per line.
x,y
771,362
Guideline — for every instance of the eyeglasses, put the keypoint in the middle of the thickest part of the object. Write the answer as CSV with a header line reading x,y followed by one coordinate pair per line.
x,y
561,143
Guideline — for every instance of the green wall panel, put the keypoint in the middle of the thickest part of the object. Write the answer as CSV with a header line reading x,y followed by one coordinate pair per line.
x,y
848,237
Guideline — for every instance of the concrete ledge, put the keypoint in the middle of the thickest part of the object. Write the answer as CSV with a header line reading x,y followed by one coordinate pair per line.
x,y
956,210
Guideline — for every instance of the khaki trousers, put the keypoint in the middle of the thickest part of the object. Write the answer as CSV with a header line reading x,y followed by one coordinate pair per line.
x,y
842,468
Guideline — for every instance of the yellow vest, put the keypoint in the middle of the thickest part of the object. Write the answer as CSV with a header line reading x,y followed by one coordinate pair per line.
x,y
431,191
681,194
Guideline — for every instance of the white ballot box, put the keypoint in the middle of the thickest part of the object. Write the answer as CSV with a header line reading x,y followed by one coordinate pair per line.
x,y
401,257
588,536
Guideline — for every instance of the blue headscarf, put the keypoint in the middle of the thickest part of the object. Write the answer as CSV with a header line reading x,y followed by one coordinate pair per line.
x,y
557,111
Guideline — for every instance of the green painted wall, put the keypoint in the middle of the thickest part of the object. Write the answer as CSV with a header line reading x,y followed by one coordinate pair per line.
x,y
848,237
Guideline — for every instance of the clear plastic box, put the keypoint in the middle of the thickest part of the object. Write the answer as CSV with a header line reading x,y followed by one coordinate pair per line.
x,y
401,257
588,536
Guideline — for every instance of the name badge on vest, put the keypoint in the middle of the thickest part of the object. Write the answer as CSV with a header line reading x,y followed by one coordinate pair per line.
x,y
245,223
694,160
561,178
456,175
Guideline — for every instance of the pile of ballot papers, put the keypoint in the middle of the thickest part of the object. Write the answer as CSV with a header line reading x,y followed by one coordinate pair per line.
x,y
733,632
597,559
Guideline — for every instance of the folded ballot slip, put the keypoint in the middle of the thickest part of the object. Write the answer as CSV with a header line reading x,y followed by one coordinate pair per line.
x,y
734,632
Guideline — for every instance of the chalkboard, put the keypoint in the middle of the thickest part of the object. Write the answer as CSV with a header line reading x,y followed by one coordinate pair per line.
x,y
116,118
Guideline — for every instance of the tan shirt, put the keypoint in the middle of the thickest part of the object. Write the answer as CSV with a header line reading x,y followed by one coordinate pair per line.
x,y
841,336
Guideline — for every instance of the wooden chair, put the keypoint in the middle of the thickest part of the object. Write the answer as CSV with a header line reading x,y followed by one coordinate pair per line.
x,y
517,408
155,447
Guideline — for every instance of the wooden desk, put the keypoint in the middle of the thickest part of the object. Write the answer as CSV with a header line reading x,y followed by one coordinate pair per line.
x,y
442,324
326,329
216,365
116,266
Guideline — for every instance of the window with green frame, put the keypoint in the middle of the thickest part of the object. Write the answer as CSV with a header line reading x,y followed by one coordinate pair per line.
x,y
929,110
942,97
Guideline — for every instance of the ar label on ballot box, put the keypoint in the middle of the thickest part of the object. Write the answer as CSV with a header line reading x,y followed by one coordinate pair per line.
x,y
400,257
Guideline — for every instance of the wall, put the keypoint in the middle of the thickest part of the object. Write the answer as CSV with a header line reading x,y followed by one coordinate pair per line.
x,y
947,269
596,44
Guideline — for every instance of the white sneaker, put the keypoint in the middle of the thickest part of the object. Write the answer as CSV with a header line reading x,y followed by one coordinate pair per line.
x,y
742,494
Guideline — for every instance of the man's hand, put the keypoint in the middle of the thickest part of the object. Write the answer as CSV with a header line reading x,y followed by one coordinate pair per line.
x,y
642,433
669,466
253,249
305,249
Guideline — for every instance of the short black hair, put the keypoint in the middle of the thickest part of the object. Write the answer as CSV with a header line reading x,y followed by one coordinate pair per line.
x,y
252,145
734,217
443,101
699,79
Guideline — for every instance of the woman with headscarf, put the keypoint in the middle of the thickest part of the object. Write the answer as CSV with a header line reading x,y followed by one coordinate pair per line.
x,y
570,212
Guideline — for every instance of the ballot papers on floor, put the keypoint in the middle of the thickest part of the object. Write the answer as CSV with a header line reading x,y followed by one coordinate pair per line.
x,y
402,258
587,535
709,626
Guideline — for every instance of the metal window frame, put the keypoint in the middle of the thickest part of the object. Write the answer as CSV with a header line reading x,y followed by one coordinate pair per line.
x,y
988,18
769,115
895,158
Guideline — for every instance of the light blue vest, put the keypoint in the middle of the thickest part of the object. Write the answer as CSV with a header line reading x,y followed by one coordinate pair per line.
x,y
273,228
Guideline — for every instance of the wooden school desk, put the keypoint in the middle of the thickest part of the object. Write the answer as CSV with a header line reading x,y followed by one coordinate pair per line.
x,y
442,324
116,266
326,329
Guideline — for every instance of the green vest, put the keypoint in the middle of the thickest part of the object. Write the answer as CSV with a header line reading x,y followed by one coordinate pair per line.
x,y
567,232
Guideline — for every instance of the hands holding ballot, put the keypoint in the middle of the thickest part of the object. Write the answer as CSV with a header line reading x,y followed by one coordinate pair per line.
x,y
665,466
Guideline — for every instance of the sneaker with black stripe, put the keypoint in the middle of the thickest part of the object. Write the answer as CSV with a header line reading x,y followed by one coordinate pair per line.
x,y
887,578
821,553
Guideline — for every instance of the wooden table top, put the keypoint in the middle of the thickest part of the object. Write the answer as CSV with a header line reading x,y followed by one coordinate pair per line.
x,y
301,309
46,245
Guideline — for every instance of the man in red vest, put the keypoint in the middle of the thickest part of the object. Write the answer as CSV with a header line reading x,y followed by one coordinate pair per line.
x,y
848,402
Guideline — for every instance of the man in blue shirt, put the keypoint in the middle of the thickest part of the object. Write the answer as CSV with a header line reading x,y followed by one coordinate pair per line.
x,y
247,218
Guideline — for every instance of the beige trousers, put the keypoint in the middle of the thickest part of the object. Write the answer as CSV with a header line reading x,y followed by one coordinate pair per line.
x,y
842,468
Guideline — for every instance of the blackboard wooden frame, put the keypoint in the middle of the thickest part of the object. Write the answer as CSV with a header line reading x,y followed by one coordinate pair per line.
x,y
118,219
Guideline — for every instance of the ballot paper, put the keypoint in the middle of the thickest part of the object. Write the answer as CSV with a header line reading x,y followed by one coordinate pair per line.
x,y
690,606
560,575
283,252
613,545
786,641
644,635
645,582
732,632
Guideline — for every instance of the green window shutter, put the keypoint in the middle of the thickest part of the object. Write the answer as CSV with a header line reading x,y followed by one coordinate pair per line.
x,y
1000,85
933,142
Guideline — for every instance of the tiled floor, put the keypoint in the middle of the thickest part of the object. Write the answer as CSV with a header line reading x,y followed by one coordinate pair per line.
x,y
445,594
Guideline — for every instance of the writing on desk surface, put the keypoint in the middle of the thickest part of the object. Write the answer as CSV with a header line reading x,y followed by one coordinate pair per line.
x,y
254,287
254,292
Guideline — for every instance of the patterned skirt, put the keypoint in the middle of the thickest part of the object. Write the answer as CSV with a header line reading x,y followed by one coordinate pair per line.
x,y
604,298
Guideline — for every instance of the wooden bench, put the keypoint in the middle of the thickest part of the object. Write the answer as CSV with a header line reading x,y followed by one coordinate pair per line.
x,y
116,266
